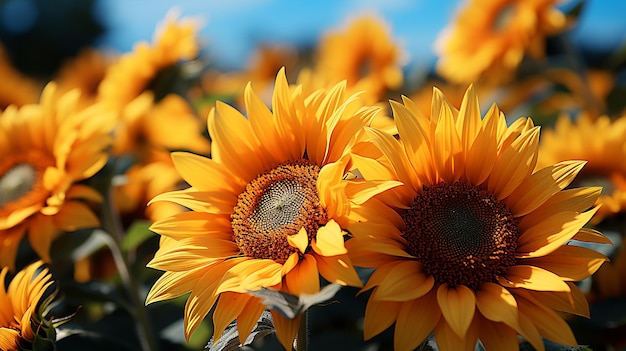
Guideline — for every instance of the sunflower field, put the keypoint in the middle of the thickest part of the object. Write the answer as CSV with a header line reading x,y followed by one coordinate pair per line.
x,y
334,195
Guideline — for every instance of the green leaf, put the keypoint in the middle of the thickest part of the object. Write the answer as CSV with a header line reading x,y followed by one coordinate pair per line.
x,y
137,234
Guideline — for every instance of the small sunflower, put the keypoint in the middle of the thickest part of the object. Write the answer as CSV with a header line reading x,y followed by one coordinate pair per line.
x,y
85,72
489,39
473,245
364,55
581,139
141,183
266,210
45,149
146,126
23,307
132,73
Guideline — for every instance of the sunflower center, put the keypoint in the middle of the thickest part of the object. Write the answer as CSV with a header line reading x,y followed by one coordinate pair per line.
x,y
503,17
462,234
21,180
275,205
16,182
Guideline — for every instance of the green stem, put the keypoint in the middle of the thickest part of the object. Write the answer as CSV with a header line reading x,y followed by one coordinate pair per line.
x,y
302,338
115,229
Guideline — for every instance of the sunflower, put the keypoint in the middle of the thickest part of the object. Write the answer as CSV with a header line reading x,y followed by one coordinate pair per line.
x,y
23,306
85,72
267,209
45,149
142,182
489,39
365,55
580,140
132,73
146,126
472,246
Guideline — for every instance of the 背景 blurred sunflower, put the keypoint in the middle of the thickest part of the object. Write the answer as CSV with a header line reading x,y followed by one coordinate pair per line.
x,y
488,39
267,209
85,71
24,306
364,55
472,246
45,150
602,143
131,74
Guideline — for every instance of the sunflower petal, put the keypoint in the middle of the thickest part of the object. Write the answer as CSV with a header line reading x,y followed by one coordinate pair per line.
x,y
569,200
548,323
286,329
380,315
591,236
392,287
541,185
448,340
533,278
551,233
329,240
304,277
571,263
514,164
497,336
173,284
196,170
457,307
203,296
229,306
497,304
248,318
416,320
447,152
299,240
338,269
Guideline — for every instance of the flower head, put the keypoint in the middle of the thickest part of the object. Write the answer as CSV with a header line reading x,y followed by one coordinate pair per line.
x,y
364,55
132,73
489,39
23,307
267,209
45,150
473,245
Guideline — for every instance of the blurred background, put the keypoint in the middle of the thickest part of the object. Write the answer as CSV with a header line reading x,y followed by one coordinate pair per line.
x,y
38,34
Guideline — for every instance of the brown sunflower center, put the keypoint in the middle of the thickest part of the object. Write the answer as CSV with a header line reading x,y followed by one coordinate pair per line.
x,y
462,234
503,17
275,205
16,182
21,180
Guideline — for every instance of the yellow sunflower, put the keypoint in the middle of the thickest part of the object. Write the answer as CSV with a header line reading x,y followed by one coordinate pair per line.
x,y
23,307
169,124
267,209
473,245
45,149
601,142
489,39
364,55
141,183
131,74
85,72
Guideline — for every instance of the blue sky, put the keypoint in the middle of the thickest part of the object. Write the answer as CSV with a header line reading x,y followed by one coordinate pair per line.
x,y
231,29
